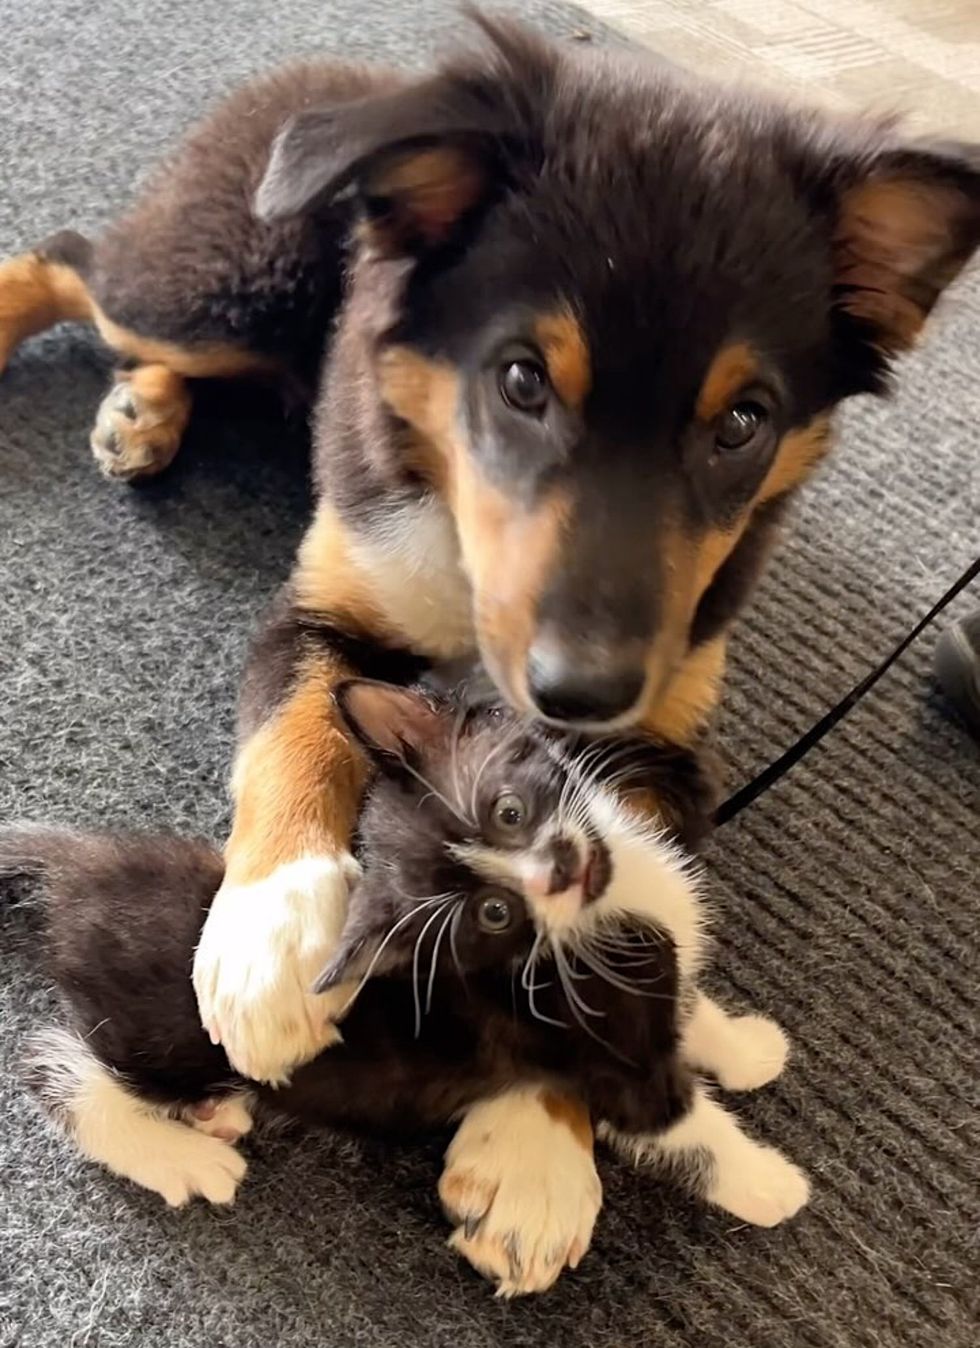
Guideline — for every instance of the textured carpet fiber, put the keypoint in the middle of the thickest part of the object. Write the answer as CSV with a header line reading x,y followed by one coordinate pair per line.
x,y
846,899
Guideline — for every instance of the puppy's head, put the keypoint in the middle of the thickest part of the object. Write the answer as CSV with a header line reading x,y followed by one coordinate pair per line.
x,y
627,306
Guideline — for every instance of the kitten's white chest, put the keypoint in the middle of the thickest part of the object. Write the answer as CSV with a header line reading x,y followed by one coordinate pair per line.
x,y
416,574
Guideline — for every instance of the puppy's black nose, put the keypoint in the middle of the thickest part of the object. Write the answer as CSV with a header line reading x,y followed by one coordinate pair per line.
x,y
571,693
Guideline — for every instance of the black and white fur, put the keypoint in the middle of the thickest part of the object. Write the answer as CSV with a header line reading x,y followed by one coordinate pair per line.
x,y
589,990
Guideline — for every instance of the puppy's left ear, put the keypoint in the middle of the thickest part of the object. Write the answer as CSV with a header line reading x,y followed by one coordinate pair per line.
x,y
907,223
395,725
416,162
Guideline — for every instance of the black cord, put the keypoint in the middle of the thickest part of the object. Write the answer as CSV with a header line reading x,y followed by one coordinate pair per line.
x,y
753,789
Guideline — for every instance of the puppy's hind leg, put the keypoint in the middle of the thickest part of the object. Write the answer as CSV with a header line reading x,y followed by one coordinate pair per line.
x,y
43,287
141,422
131,1136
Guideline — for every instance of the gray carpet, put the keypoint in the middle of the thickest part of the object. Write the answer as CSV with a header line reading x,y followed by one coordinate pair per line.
x,y
846,899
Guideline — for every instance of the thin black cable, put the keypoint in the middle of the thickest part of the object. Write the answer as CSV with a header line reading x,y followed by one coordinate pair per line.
x,y
753,789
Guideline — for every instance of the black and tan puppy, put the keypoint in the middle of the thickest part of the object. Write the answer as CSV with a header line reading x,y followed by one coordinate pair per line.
x,y
591,320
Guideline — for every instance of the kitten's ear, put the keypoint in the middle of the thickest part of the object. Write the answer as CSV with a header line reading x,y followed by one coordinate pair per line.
x,y
393,724
907,223
348,964
358,953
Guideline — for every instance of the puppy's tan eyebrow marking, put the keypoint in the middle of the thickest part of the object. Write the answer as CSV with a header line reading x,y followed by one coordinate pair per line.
x,y
733,367
566,354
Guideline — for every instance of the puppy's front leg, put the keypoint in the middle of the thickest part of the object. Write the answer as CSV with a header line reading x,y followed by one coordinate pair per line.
x,y
740,1052
279,912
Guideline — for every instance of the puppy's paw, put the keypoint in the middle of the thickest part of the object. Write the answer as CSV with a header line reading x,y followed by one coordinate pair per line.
x,y
260,951
757,1052
759,1185
524,1189
140,423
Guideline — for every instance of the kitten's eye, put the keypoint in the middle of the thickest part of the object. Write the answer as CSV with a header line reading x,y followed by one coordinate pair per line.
x,y
739,426
523,385
494,914
509,812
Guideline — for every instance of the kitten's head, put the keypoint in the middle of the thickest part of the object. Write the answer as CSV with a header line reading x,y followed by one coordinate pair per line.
x,y
487,841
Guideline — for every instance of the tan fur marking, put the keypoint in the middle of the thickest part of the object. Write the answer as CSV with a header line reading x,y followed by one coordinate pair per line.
x,y
799,453
683,706
692,694
572,1113
433,188
297,782
327,580
896,249
216,360
425,394
566,352
732,369
34,295
508,553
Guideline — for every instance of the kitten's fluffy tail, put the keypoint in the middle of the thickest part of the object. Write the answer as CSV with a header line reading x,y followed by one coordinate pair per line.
x,y
28,849
66,856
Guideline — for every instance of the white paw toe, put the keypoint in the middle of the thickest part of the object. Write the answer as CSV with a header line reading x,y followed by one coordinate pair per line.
x,y
186,1164
762,1187
760,1049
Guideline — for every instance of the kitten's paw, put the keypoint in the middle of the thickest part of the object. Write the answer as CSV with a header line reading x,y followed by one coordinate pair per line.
x,y
759,1185
261,949
524,1188
758,1052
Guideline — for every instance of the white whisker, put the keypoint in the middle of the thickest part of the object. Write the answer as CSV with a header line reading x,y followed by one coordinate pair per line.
x,y
530,987
438,794
416,992
491,754
434,962
565,969
454,762
405,917
452,941
636,987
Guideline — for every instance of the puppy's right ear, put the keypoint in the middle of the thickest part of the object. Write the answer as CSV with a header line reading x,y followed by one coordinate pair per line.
x,y
395,725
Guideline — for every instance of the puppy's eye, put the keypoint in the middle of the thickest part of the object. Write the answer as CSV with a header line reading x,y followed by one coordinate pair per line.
x,y
509,812
739,426
524,385
494,913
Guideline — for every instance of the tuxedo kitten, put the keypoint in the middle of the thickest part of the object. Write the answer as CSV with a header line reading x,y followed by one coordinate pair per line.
x,y
518,920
